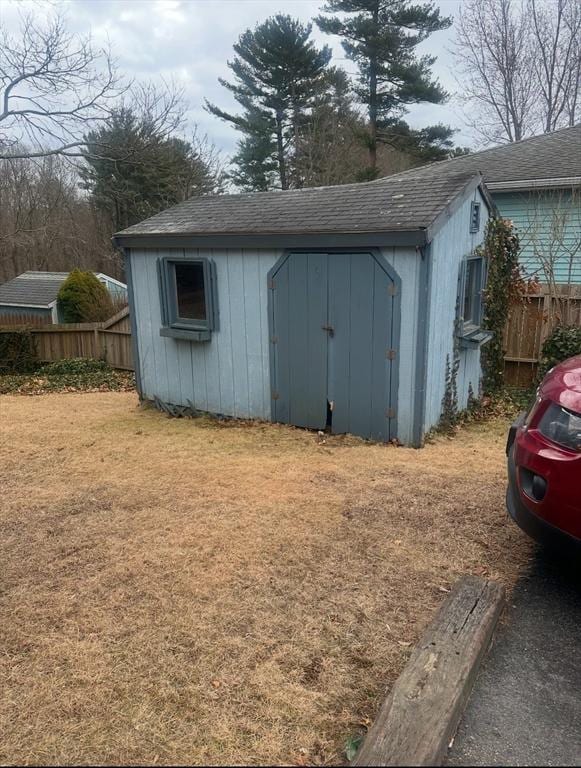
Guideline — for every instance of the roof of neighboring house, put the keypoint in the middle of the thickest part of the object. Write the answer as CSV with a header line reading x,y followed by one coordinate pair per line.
x,y
549,160
34,289
399,203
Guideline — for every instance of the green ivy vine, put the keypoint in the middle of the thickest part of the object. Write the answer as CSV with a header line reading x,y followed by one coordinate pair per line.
x,y
505,285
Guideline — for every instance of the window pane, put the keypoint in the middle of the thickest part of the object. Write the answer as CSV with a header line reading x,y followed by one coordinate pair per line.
x,y
469,290
190,291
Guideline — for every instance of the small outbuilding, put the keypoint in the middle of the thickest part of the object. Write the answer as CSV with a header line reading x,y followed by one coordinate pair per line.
x,y
34,294
336,308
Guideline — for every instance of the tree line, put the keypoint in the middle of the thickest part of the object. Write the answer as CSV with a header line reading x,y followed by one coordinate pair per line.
x,y
85,153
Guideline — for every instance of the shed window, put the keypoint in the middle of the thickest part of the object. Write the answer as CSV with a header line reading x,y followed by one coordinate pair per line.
x,y
191,291
474,217
473,292
188,301
471,283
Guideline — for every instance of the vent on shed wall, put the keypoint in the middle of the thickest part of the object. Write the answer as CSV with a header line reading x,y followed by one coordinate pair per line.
x,y
474,217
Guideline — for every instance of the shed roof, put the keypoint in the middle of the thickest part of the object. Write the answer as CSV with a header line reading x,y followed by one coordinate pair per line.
x,y
400,203
38,289
552,159
34,289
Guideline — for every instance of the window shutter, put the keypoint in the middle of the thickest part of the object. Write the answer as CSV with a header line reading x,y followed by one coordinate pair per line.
x,y
483,280
163,295
211,289
460,295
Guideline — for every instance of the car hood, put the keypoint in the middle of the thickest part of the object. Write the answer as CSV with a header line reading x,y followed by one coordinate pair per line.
x,y
563,384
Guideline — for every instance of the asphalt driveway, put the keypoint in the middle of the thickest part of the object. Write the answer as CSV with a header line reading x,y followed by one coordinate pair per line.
x,y
526,705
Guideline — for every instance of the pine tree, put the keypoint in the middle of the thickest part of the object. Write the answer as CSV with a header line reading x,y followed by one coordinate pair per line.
x,y
434,142
381,37
330,150
255,167
278,75
141,173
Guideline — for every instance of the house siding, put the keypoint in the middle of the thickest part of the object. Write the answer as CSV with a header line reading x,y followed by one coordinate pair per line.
x,y
11,311
453,243
537,215
230,374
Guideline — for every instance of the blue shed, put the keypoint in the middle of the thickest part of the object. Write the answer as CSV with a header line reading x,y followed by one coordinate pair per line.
x,y
327,308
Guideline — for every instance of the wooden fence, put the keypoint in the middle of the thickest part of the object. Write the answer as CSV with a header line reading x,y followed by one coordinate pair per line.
x,y
109,341
530,324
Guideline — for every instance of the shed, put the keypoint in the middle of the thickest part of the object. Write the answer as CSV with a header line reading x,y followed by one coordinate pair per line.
x,y
34,294
331,307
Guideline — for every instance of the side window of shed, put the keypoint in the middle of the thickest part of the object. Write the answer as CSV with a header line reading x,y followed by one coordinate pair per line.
x,y
188,298
470,303
473,292
474,216
190,287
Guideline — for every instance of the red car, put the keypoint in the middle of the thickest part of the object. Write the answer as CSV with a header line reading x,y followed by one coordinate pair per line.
x,y
544,461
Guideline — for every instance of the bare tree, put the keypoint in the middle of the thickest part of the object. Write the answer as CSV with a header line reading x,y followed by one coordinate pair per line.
x,y
52,86
46,223
160,106
556,28
493,48
520,65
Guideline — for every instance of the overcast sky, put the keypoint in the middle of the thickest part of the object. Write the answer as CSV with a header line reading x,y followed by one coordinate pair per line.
x,y
190,42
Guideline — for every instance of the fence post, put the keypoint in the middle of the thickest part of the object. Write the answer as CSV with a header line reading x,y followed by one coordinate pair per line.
x,y
98,345
548,323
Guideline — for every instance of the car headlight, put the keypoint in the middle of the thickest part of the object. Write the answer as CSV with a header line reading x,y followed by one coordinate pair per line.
x,y
561,426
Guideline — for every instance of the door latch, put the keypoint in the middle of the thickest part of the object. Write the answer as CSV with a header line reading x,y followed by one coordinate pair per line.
x,y
329,328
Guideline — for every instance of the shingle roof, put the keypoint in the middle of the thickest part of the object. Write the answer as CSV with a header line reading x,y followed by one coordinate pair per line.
x,y
407,201
38,289
32,288
393,204
548,157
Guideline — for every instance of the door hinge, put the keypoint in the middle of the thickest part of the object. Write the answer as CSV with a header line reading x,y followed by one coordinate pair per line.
x,y
392,289
275,395
390,354
390,413
271,284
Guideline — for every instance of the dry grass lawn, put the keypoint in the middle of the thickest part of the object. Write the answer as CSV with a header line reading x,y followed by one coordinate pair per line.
x,y
179,591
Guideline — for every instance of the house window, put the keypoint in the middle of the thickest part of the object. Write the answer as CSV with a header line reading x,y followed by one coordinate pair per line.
x,y
188,301
474,217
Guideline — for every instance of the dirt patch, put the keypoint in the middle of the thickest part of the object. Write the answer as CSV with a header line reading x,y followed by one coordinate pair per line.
x,y
186,592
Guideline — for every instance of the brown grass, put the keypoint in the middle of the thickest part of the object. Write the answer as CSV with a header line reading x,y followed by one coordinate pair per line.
x,y
181,591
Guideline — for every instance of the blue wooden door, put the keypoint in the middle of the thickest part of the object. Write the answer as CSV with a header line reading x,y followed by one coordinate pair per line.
x,y
299,344
333,321
361,350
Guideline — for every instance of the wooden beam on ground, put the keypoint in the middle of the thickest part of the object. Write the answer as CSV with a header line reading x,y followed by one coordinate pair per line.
x,y
419,717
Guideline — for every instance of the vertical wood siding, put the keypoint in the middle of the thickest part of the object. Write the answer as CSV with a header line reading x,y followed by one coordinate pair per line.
x,y
228,375
406,262
451,244
231,373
